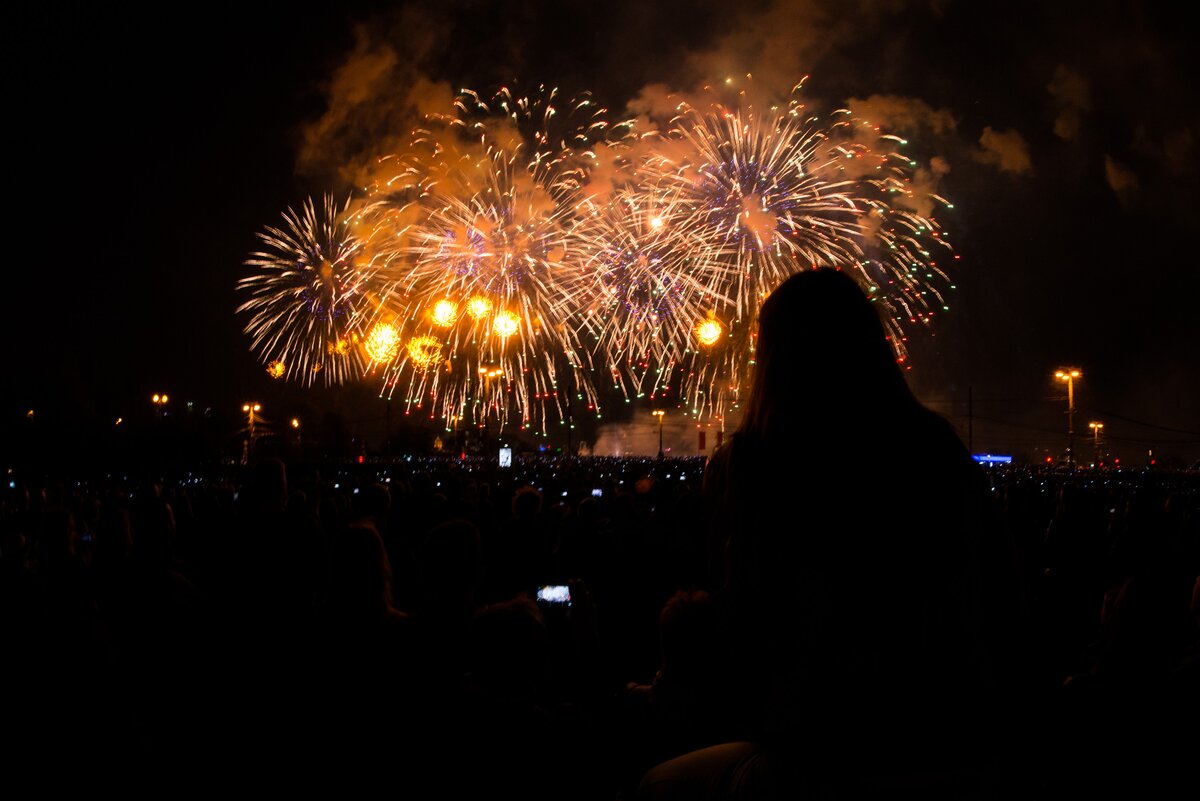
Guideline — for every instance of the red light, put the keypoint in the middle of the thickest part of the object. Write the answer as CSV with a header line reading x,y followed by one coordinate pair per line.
x,y
1049,459
360,458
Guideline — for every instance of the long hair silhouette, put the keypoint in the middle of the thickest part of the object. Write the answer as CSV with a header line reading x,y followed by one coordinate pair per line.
x,y
822,351
841,518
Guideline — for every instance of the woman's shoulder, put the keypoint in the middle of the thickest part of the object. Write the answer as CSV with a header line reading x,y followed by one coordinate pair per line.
x,y
943,454
716,469
936,433
726,457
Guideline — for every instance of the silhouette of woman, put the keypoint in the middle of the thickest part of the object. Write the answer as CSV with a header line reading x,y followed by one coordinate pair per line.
x,y
843,517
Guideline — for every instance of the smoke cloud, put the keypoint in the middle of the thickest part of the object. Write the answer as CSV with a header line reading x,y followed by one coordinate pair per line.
x,y
1006,150
372,100
1121,179
903,114
395,75
1072,94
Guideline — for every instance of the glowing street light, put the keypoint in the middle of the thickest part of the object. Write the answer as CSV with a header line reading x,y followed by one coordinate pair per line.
x,y
1069,374
251,409
1096,427
659,413
488,373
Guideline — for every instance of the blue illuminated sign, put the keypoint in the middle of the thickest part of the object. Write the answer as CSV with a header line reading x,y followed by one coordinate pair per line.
x,y
987,458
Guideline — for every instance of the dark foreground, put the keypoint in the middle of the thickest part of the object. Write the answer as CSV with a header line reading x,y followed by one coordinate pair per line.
x,y
381,622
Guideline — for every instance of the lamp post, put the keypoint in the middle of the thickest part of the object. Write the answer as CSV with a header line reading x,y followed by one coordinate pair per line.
x,y
160,403
1096,426
487,374
1069,374
250,409
454,434
659,414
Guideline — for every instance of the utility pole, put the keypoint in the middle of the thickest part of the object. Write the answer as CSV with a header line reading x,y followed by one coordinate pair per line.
x,y
659,414
1069,374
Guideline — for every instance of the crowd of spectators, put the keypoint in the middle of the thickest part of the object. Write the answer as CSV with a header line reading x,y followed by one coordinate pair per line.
x,y
385,618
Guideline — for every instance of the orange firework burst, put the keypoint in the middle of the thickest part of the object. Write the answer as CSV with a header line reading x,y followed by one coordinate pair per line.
x,y
708,332
444,313
479,307
424,352
506,324
383,343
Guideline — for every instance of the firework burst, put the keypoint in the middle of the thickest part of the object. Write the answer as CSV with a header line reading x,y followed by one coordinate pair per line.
x,y
742,199
310,294
519,249
638,285
476,212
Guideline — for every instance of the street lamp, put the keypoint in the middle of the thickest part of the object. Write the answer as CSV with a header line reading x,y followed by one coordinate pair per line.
x,y
250,409
1069,374
487,375
160,403
458,438
1096,426
659,414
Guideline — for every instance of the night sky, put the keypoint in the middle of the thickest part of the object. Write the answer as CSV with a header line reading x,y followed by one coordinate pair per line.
x,y
146,151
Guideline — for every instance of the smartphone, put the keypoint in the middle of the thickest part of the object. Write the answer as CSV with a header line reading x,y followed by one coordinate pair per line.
x,y
506,457
554,594
597,493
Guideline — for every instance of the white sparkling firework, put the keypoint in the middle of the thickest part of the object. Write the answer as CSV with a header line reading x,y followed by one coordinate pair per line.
x,y
310,294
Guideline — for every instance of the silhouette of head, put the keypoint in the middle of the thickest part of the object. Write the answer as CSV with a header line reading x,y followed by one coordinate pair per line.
x,y
686,625
375,502
451,567
821,350
526,503
266,489
152,526
360,574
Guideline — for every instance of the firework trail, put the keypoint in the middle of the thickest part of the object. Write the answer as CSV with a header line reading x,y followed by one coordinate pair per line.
x,y
309,294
